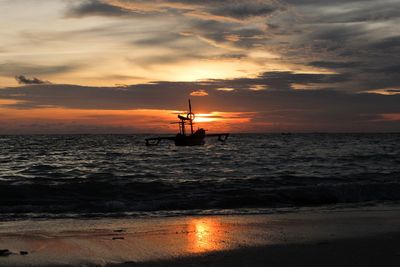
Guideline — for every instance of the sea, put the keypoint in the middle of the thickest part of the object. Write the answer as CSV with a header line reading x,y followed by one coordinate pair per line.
x,y
97,176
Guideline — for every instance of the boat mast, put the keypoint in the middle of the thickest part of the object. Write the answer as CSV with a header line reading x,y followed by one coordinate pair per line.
x,y
181,139
190,116
182,127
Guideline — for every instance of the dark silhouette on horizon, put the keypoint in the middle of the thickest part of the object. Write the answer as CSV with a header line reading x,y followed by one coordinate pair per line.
x,y
195,138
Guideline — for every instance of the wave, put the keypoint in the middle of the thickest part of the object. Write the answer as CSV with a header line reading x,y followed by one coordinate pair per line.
x,y
117,174
100,197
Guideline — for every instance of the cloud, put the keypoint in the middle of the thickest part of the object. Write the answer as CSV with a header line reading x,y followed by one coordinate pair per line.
x,y
393,90
335,64
216,10
199,93
386,44
279,107
352,11
97,8
11,68
161,94
352,46
243,9
21,79
212,21
356,39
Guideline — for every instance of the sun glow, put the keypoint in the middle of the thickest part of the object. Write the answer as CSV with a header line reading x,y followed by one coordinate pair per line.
x,y
207,117
65,120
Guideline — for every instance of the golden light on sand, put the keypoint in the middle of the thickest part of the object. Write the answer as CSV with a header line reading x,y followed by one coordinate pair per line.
x,y
205,235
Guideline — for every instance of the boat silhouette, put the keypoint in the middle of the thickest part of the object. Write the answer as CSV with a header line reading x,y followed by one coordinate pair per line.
x,y
194,138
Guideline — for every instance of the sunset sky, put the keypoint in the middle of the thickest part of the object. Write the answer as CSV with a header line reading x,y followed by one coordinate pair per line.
x,y
127,66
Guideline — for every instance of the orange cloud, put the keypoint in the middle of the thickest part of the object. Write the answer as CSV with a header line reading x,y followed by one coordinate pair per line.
x,y
63,120
391,117
199,93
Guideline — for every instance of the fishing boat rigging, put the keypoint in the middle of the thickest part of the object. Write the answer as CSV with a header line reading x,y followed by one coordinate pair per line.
x,y
182,138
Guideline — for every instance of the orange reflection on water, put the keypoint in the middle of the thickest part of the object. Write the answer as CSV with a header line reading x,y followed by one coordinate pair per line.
x,y
206,235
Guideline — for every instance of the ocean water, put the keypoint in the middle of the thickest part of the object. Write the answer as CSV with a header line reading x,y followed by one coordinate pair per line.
x,y
117,175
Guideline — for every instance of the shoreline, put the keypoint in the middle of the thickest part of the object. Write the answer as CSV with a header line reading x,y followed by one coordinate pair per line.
x,y
206,240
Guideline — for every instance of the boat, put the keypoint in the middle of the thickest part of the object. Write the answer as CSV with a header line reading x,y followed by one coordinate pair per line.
x,y
185,138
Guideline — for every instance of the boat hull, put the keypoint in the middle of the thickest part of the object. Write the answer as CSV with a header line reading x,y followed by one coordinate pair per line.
x,y
196,139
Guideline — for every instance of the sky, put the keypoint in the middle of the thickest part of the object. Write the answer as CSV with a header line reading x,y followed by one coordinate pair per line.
x,y
129,66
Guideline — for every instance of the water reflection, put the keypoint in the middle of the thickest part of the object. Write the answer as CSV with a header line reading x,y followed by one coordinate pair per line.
x,y
207,234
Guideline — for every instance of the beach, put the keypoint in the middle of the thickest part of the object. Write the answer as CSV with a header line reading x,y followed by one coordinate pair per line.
x,y
366,236
258,133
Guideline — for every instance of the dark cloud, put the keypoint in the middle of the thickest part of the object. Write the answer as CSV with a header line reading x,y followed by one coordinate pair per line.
x,y
146,95
243,9
339,33
162,39
280,105
228,33
356,39
386,44
98,8
11,68
280,81
235,8
319,3
231,56
230,9
358,12
214,22
21,79
165,59
389,69
335,64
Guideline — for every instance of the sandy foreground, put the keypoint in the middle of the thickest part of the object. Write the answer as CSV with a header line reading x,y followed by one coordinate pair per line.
x,y
351,237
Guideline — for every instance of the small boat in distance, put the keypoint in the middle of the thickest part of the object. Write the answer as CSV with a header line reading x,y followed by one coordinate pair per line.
x,y
195,138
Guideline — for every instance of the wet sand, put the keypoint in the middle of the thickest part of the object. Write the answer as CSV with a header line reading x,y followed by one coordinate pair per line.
x,y
369,237
380,250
